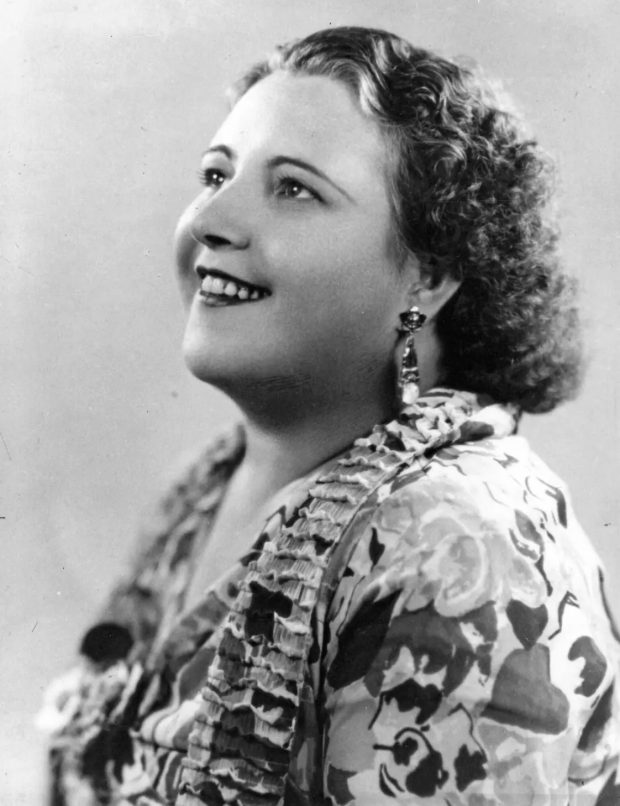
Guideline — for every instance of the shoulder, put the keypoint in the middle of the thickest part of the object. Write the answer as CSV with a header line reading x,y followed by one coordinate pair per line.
x,y
155,577
471,526
195,472
480,549
193,483
471,607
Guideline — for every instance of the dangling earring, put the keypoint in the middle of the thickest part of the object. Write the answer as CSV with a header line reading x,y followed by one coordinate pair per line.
x,y
409,373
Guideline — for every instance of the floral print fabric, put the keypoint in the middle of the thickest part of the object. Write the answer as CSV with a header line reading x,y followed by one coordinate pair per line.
x,y
461,648
470,657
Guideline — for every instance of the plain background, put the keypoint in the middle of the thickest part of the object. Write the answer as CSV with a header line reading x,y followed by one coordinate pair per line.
x,y
107,105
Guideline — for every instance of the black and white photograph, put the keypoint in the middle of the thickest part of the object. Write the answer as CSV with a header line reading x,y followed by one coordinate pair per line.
x,y
310,424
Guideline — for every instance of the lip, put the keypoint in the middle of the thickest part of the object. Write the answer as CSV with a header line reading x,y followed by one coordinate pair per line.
x,y
203,271
215,301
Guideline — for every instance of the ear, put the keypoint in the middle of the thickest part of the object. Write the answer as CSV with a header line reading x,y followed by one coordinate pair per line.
x,y
430,298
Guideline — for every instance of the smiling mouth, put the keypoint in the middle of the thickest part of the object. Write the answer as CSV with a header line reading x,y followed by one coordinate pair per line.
x,y
218,289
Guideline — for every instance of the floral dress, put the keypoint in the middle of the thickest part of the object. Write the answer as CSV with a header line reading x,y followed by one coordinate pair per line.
x,y
421,621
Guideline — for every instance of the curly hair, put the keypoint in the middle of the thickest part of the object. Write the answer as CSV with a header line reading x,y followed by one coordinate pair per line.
x,y
469,192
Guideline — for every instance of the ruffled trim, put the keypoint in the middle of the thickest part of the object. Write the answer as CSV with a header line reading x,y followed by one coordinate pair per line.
x,y
239,747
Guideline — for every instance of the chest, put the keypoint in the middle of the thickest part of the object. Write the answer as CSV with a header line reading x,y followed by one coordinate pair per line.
x,y
230,538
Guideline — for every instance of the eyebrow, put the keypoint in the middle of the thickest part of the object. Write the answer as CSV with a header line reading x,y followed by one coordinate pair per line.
x,y
283,160
220,149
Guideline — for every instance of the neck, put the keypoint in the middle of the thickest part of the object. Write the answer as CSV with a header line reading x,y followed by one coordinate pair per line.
x,y
293,427
288,440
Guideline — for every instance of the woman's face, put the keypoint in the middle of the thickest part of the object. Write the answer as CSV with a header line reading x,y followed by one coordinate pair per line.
x,y
287,257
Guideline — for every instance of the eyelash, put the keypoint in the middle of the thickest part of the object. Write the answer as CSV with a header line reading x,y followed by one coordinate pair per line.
x,y
207,177
204,173
283,182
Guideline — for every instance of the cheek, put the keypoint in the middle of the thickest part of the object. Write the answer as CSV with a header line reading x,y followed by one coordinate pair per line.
x,y
344,310
356,283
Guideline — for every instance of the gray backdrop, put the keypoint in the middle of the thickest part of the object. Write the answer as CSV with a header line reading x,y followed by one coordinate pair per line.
x,y
109,104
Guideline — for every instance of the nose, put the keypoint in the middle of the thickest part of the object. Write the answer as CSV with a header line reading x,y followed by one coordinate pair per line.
x,y
218,220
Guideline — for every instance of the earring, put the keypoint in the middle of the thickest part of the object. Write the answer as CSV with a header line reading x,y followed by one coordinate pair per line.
x,y
409,373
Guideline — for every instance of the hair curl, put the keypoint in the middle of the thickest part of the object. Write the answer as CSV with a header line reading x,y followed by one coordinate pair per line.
x,y
469,193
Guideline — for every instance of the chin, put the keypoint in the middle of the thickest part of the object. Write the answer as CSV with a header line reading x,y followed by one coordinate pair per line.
x,y
205,353
203,363
220,368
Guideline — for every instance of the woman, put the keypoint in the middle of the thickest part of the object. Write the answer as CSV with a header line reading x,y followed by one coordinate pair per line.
x,y
416,616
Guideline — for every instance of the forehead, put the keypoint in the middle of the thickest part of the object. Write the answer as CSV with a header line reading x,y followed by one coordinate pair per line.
x,y
313,117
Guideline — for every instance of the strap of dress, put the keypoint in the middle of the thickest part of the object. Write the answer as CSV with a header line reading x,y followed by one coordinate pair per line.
x,y
239,747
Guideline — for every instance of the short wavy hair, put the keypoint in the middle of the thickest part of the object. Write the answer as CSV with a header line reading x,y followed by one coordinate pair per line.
x,y
470,192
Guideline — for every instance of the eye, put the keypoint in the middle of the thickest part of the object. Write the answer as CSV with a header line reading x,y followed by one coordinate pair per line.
x,y
290,188
211,177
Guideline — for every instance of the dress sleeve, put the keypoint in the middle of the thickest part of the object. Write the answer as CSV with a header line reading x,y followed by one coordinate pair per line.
x,y
470,660
83,749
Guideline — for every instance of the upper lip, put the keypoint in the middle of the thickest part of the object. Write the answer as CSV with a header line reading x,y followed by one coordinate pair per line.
x,y
203,271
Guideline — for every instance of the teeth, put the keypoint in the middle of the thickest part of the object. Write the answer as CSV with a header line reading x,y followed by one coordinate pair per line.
x,y
229,288
217,285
